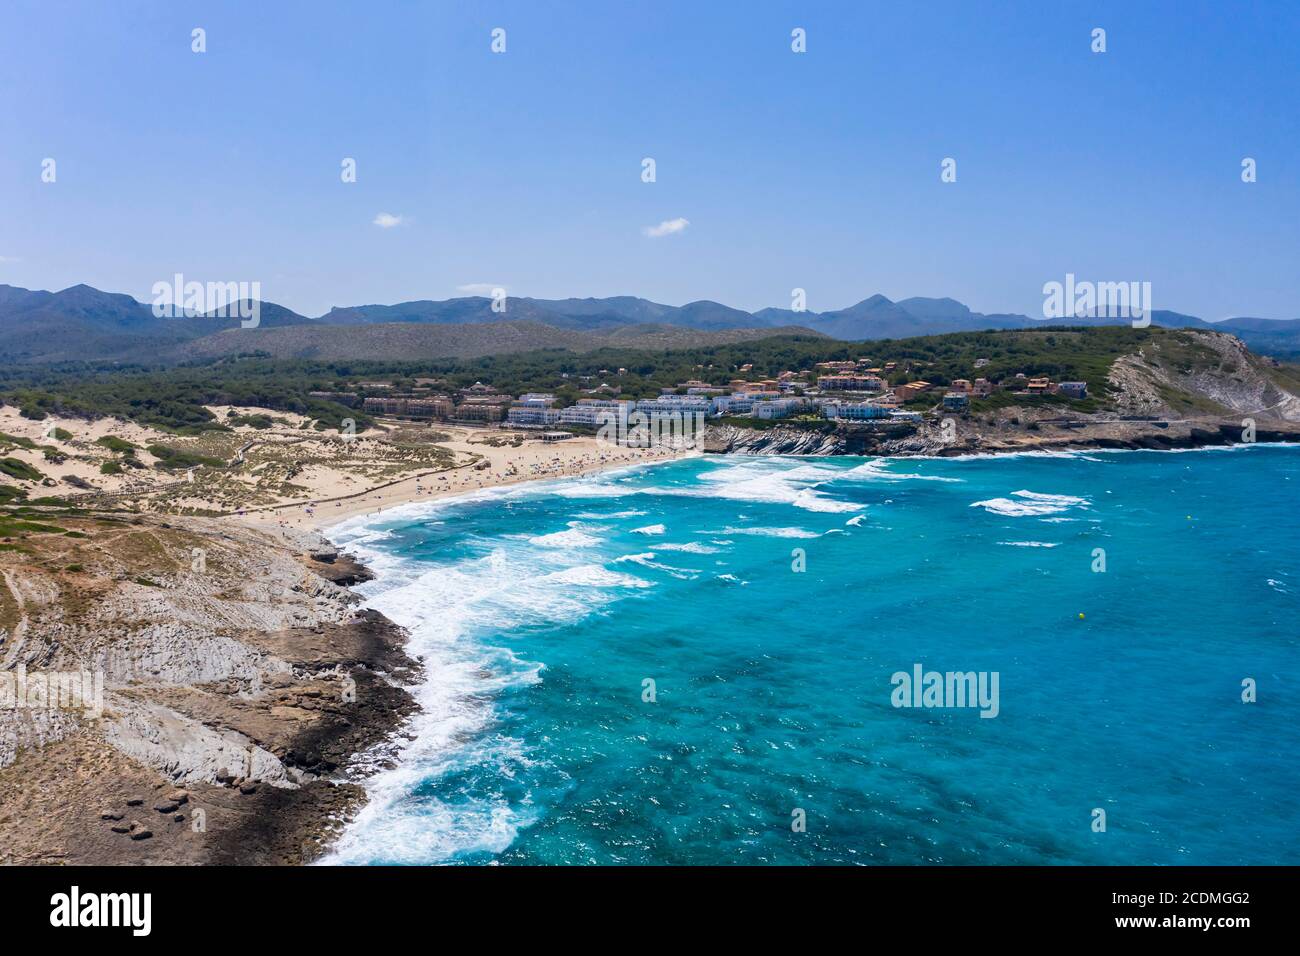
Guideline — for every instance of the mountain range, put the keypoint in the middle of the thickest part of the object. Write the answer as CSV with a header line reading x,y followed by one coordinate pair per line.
x,y
84,323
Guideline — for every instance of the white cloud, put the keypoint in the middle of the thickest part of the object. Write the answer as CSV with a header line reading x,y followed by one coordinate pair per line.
x,y
4,259
666,228
386,220
479,288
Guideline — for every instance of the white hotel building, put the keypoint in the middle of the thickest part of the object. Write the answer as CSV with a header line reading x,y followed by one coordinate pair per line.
x,y
594,412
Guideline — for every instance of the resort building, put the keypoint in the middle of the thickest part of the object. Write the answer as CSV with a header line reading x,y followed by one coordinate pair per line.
x,y
777,408
850,383
854,410
1073,389
439,406
911,390
534,415
487,408
675,404
738,404
593,412
537,398
956,401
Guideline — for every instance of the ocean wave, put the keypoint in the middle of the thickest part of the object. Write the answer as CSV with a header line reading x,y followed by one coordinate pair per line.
x,y
1031,544
1030,504
650,529
690,547
877,469
768,482
574,537
596,576
768,532
647,560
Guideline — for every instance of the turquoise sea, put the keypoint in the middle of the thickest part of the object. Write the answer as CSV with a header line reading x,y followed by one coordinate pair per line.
x,y
542,610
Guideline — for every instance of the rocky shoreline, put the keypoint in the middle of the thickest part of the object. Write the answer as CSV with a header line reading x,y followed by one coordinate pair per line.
x,y
237,697
968,437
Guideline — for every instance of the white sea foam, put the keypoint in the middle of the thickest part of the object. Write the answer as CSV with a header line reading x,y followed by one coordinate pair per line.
x,y
767,532
596,576
855,522
690,547
1030,503
446,607
650,529
647,560
1031,544
769,482
575,536
878,469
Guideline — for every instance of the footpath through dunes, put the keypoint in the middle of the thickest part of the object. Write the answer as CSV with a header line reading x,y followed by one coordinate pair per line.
x,y
229,685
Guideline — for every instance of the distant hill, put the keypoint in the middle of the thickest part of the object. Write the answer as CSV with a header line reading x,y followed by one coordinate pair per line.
x,y
413,341
85,323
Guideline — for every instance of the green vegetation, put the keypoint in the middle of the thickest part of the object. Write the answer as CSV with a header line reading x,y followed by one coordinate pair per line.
x,y
115,444
176,458
10,526
18,441
16,468
174,398
9,494
258,421
110,468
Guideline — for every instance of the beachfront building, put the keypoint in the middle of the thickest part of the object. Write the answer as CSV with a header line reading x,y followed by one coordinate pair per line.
x,y
594,412
901,415
738,404
854,411
981,388
1073,389
532,415
956,401
778,408
675,405
483,408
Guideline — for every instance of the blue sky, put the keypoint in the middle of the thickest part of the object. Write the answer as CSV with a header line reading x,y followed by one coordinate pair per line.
x,y
817,170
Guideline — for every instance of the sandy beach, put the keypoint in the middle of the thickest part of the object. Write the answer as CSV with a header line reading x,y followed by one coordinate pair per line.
x,y
485,461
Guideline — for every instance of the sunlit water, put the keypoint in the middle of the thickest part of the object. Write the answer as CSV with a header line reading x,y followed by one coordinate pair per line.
x,y
542,610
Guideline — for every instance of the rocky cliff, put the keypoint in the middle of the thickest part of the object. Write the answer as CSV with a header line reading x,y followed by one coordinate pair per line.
x,y
236,683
